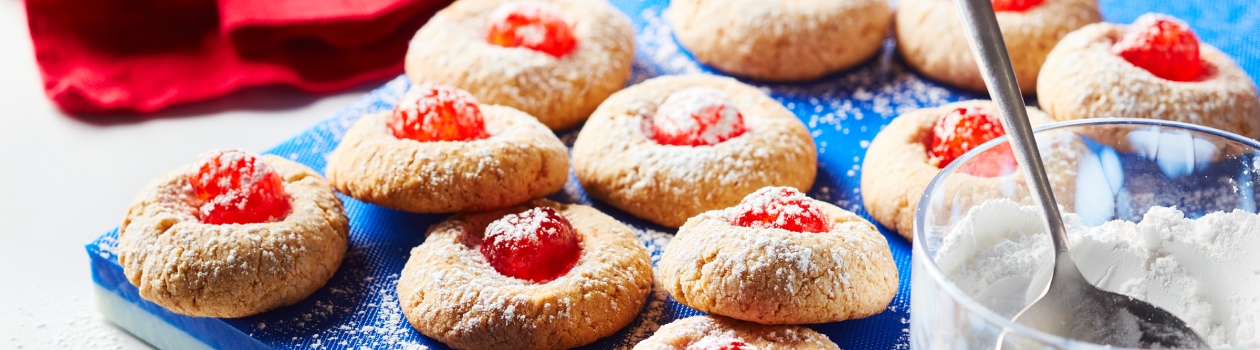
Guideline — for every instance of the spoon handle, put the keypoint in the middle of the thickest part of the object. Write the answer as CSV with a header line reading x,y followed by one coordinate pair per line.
x,y
989,48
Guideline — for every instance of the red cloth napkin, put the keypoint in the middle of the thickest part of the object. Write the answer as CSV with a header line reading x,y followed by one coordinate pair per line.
x,y
145,55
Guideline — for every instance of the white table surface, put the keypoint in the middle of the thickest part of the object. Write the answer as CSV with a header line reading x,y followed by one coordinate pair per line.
x,y
64,181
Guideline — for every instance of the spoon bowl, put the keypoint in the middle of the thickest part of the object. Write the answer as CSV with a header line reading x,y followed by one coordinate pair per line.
x,y
1073,308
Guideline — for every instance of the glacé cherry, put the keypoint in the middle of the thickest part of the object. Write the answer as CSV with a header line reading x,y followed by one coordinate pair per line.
x,y
433,112
236,187
695,117
537,245
534,26
1162,45
782,208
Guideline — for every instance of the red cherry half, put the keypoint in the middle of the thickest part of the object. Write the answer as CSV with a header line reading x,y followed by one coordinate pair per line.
x,y
695,117
532,25
782,208
537,245
1162,45
709,343
236,187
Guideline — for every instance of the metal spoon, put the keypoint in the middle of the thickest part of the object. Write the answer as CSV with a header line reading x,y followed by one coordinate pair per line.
x,y
1070,306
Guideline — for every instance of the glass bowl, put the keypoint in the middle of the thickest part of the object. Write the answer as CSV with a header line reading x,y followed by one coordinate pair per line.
x,y
1101,170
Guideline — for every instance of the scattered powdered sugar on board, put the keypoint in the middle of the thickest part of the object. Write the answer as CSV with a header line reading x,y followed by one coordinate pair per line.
x,y
652,317
107,247
655,242
903,340
387,330
881,85
363,313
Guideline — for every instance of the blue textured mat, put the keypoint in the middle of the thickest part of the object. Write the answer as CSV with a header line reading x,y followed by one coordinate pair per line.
x,y
358,308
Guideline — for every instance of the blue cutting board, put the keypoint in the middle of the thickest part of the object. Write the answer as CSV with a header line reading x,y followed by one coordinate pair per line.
x,y
358,308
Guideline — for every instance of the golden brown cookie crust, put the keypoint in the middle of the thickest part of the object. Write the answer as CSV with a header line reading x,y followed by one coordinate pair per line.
x,y
618,164
449,292
520,161
780,40
896,169
561,92
930,39
1083,79
679,334
235,270
775,276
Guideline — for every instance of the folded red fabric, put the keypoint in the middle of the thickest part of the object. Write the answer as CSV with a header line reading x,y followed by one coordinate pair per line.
x,y
145,55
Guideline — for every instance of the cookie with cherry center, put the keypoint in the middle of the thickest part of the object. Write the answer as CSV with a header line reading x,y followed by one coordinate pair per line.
x,y
1155,68
904,158
232,235
555,60
542,275
931,41
441,151
673,147
780,257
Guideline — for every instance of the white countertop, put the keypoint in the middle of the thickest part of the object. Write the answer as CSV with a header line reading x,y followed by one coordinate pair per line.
x,y
64,181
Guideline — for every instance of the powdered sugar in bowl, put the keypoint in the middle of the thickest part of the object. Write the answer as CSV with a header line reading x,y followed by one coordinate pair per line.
x,y
1160,211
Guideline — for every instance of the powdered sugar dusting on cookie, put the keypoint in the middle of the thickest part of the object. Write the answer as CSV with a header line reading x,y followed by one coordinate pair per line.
x,y
762,252
532,34
230,270
524,226
780,251
495,299
698,163
457,296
